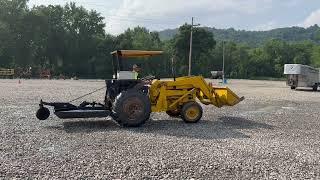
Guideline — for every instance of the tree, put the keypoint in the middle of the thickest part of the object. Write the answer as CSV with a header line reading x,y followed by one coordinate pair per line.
x,y
315,56
203,43
71,40
302,52
11,32
143,39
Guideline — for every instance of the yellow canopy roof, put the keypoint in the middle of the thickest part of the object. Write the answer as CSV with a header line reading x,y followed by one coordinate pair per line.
x,y
136,53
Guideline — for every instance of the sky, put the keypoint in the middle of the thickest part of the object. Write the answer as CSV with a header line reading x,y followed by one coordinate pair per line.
x,y
158,15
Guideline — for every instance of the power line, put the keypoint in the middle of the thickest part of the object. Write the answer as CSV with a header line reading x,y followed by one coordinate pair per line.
x,y
159,26
142,19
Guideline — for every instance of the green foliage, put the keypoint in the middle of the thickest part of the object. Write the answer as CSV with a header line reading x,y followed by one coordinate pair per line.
x,y
142,39
257,38
71,40
63,39
203,43
315,56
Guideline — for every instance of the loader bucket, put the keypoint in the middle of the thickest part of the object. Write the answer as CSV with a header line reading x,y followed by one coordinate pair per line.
x,y
225,97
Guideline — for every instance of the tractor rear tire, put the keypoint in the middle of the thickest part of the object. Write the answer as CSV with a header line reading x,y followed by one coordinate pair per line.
x,y
174,113
191,112
131,108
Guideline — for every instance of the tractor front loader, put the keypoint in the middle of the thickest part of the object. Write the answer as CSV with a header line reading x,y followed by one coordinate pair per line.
x,y
178,98
130,101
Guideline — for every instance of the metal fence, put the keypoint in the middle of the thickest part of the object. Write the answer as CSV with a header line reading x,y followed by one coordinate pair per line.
x,y
6,72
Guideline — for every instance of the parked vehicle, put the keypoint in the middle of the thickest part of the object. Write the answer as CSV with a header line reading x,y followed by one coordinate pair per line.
x,y
302,76
216,74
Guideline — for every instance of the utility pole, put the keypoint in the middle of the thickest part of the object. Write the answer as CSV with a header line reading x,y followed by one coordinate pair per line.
x,y
223,57
190,51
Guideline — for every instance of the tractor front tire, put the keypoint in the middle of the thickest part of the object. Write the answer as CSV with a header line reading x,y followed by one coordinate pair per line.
x,y
191,112
131,108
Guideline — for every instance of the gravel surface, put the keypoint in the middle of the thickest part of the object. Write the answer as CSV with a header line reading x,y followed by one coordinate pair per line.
x,y
273,134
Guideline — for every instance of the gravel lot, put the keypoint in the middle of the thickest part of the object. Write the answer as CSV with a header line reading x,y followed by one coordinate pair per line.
x,y
274,133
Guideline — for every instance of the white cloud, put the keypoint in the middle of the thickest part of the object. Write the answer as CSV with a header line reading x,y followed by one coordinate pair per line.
x,y
155,14
163,14
312,19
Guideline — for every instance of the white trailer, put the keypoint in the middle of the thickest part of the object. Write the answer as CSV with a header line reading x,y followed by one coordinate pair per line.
x,y
216,74
302,76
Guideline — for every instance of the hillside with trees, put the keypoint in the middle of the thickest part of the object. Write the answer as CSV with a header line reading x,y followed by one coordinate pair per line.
x,y
257,38
71,41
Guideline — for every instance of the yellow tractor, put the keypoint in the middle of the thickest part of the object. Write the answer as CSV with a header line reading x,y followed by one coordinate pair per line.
x,y
130,101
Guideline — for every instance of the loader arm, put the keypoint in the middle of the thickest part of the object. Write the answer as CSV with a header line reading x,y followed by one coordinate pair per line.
x,y
208,94
168,95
